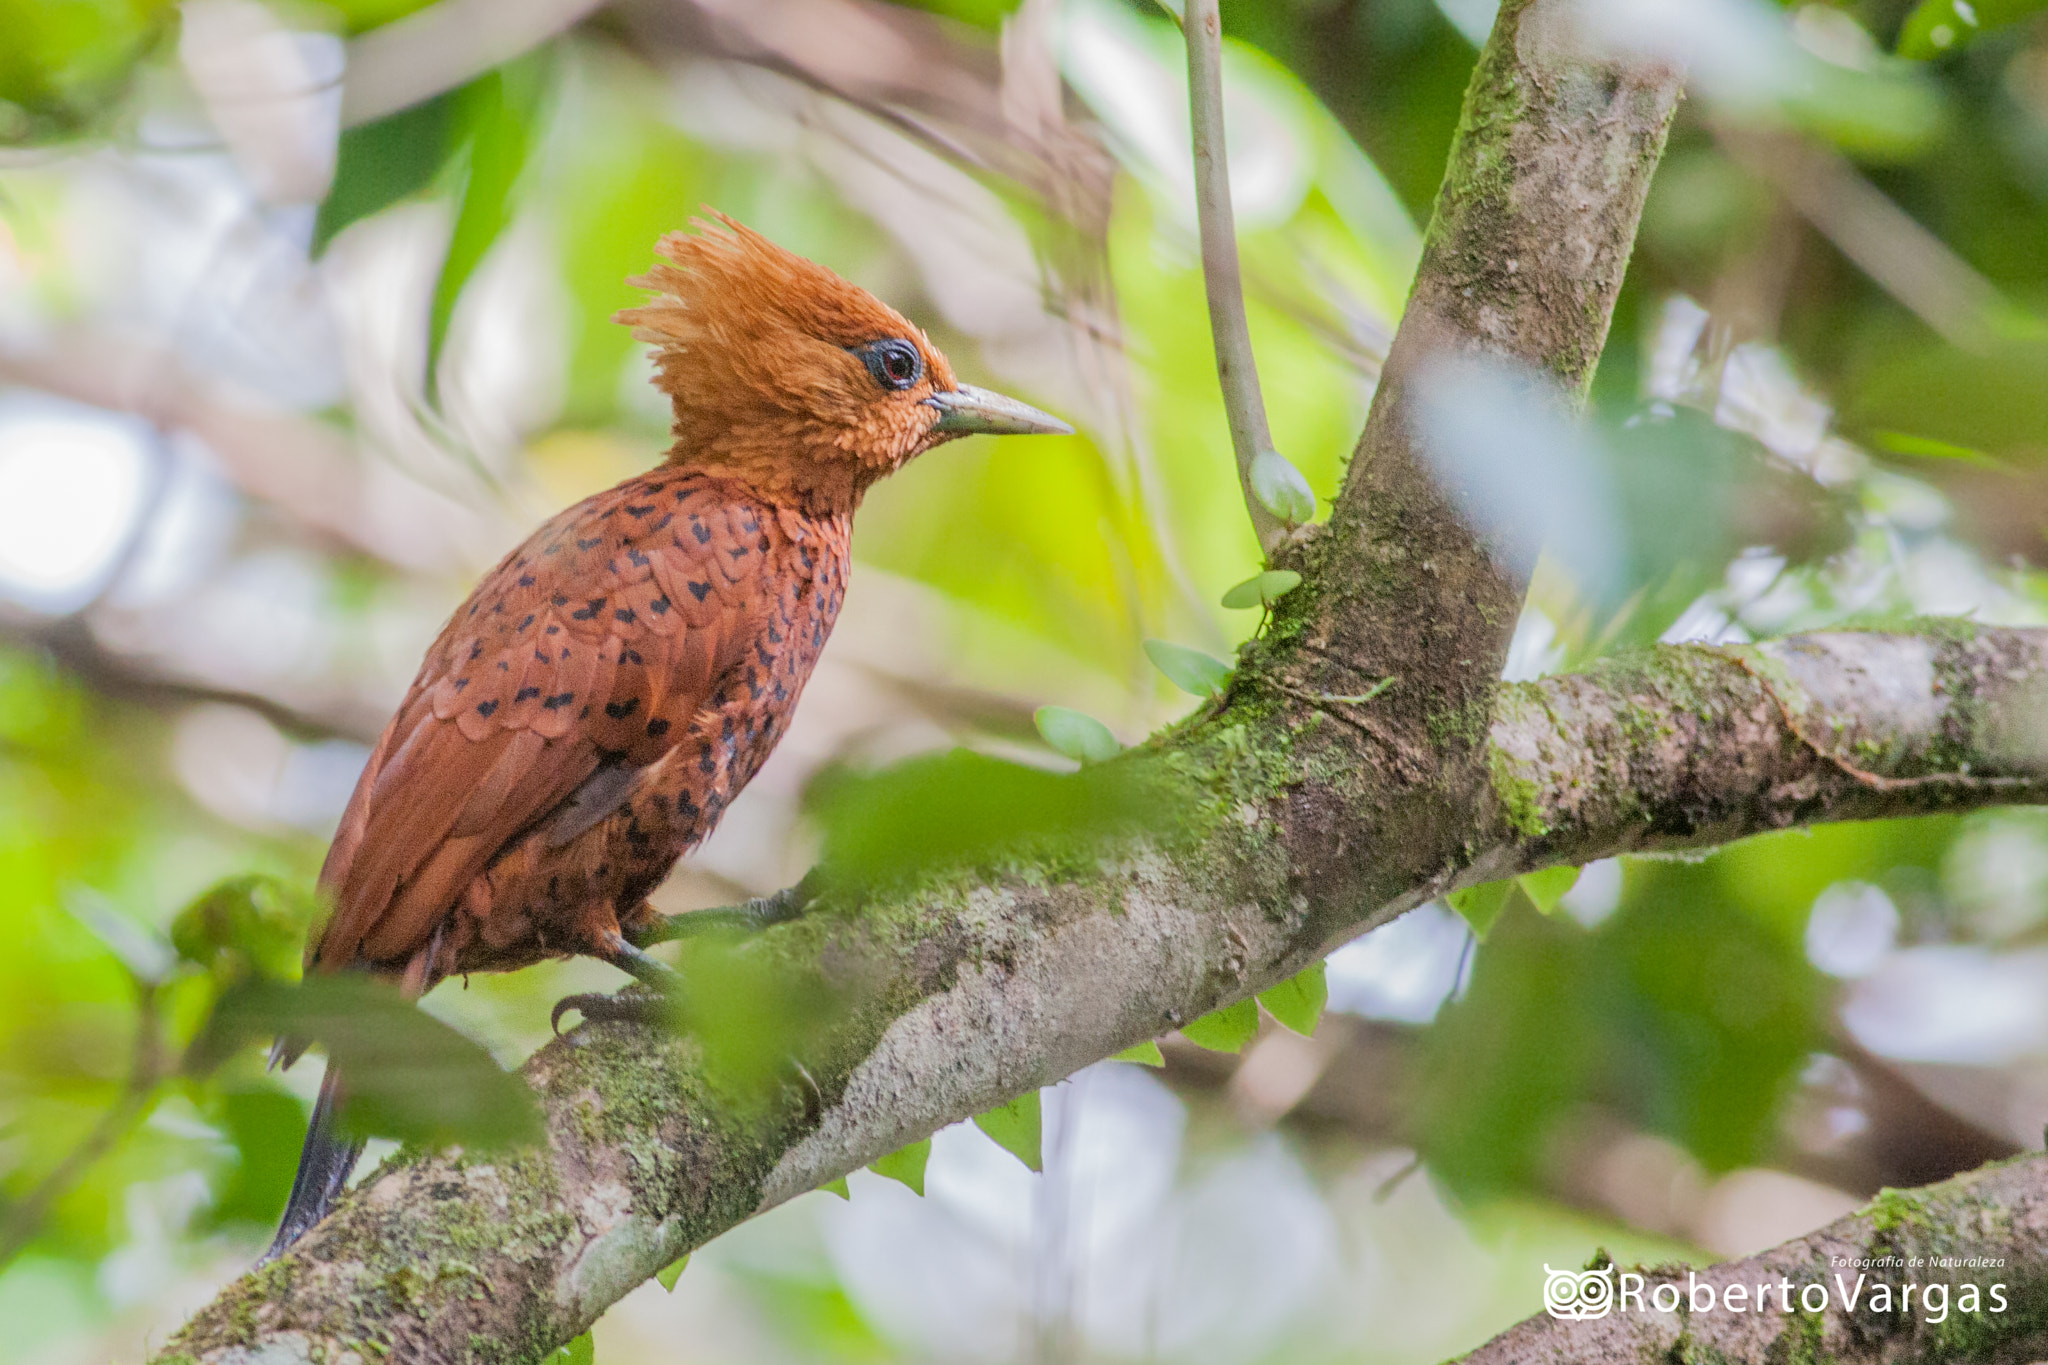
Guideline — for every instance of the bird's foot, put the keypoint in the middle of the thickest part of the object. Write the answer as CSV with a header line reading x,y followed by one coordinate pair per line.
x,y
748,917
657,1005
599,1008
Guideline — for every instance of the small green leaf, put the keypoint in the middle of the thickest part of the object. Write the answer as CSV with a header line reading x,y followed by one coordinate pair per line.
x,y
1144,1054
1544,889
1928,448
1281,487
1192,671
1481,905
243,926
386,160
1224,1030
582,1351
1076,734
410,1076
837,1187
906,1164
1018,1129
500,109
1262,589
1298,1001
673,1271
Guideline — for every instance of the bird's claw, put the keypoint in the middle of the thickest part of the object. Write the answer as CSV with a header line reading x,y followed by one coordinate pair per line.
x,y
598,1008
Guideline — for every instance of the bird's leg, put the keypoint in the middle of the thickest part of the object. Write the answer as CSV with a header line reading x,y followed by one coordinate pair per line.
x,y
663,981
666,985
748,917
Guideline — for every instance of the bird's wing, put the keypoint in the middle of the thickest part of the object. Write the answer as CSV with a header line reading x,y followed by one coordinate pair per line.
x,y
591,645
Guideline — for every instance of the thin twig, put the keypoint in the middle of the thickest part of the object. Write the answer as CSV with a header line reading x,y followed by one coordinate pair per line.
x,y
26,1217
1236,371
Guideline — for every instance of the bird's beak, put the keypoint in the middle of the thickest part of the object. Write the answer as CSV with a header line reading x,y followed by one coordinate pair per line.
x,y
967,409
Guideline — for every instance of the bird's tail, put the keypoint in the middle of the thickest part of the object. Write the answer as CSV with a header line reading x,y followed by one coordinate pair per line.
x,y
324,1166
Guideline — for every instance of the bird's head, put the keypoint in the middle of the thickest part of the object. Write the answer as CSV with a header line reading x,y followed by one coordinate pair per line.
x,y
790,377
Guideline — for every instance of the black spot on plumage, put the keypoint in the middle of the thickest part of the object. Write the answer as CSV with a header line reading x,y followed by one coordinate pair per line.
x,y
659,606
631,656
461,683
559,700
740,552
638,560
704,763
624,615
700,591
476,649
774,636
596,606
657,727
590,543
559,599
504,666
486,708
525,694
700,530
749,525
527,622
526,580
619,710
662,524
640,510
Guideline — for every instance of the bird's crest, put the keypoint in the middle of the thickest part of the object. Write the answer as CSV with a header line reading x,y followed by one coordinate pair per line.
x,y
755,346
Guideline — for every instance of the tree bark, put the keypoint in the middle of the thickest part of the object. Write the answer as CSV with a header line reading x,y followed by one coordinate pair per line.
x,y
1905,1237
1302,819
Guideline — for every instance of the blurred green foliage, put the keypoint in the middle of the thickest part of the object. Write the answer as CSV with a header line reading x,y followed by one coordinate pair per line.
x,y
66,63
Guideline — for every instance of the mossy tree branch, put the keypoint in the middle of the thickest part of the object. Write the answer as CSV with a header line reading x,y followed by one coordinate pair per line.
x,y
1903,1238
1304,819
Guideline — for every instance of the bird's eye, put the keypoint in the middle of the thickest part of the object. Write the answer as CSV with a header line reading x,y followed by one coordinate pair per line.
x,y
894,362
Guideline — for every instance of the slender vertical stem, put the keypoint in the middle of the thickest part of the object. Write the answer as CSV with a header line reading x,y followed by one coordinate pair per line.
x,y
25,1219
1236,371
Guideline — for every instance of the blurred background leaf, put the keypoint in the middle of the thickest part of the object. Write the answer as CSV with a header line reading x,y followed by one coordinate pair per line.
x,y
409,1076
